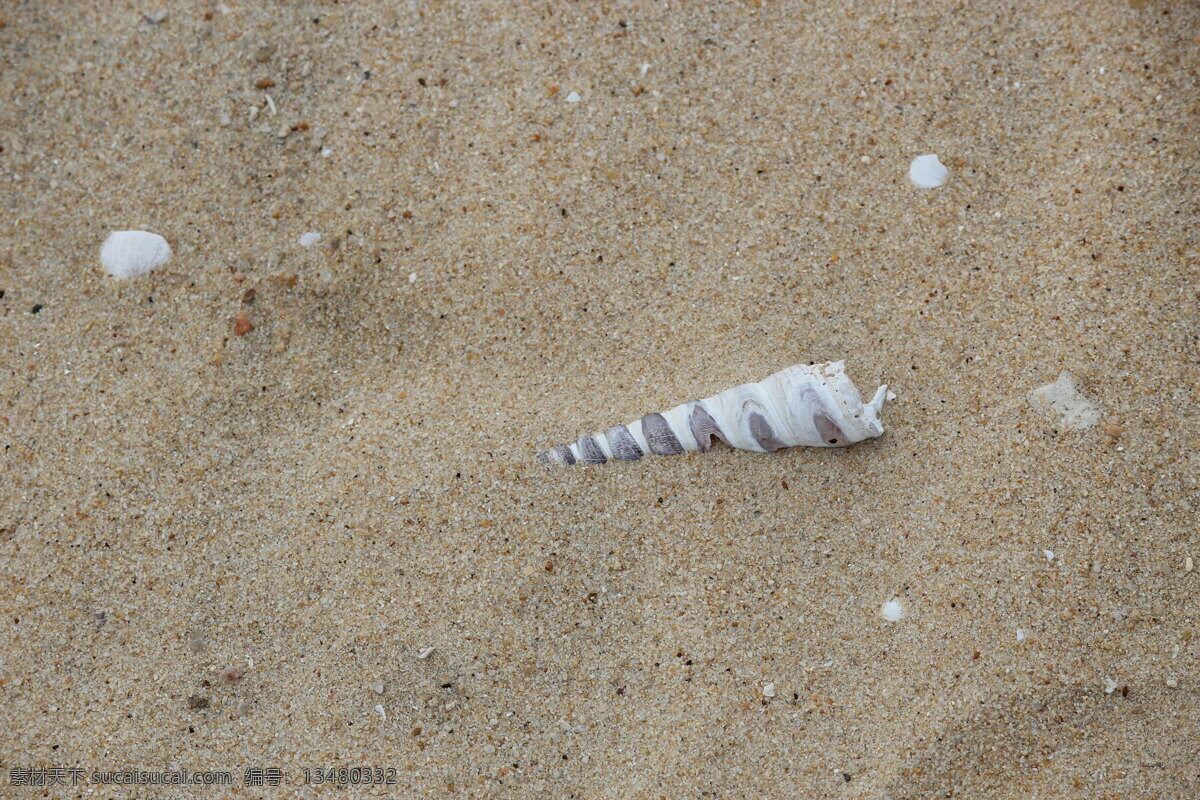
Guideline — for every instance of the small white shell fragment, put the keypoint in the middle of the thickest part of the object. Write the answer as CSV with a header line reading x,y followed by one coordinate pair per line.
x,y
378,687
769,690
1063,399
382,713
426,653
412,277
927,172
892,611
309,239
1020,635
127,254
1049,554
573,97
1110,685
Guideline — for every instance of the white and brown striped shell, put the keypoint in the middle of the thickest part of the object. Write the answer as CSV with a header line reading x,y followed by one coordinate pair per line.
x,y
814,406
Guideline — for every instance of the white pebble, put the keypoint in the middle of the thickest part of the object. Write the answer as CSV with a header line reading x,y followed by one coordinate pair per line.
x,y
378,687
1020,635
573,97
927,172
1064,400
382,713
769,690
127,254
309,239
892,611
412,277
1110,685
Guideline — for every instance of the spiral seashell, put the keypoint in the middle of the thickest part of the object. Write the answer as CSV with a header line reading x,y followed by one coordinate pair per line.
x,y
815,406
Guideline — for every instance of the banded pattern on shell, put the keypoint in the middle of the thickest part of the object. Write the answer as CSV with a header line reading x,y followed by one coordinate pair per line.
x,y
814,406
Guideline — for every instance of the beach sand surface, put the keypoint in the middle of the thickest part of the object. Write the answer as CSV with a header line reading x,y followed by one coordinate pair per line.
x,y
317,493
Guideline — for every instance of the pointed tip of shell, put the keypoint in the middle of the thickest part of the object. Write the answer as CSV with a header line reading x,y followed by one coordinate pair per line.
x,y
881,396
560,454
873,409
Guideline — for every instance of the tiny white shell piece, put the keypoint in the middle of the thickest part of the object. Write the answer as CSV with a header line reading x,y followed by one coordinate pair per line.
x,y
892,611
573,97
309,239
1062,399
127,254
927,172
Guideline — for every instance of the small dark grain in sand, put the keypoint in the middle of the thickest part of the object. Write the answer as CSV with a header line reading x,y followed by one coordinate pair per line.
x,y
355,480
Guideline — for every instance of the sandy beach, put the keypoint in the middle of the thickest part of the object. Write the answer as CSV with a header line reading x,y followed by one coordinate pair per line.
x,y
278,507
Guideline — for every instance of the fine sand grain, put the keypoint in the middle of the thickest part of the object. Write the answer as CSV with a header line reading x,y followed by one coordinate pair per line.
x,y
242,497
